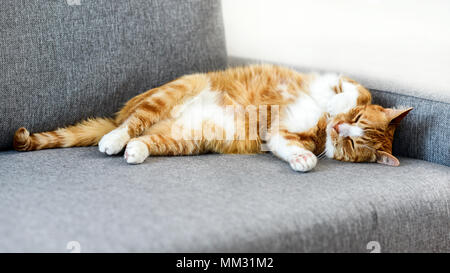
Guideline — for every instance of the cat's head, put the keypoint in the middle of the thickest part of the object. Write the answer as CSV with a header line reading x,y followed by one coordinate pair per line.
x,y
364,134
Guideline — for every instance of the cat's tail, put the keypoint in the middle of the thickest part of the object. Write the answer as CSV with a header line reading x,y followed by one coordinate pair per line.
x,y
85,133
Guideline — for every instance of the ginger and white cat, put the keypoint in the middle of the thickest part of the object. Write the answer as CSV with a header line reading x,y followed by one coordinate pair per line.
x,y
241,110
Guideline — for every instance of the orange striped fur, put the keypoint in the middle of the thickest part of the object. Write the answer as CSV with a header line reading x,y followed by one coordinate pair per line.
x,y
85,133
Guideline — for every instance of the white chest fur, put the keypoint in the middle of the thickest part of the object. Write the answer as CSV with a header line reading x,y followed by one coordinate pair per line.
x,y
202,108
304,113
306,110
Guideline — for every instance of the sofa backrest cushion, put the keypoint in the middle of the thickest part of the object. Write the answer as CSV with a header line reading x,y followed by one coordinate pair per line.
x,y
66,60
425,133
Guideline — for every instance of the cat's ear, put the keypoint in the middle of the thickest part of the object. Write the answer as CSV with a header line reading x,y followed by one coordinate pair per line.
x,y
396,115
387,159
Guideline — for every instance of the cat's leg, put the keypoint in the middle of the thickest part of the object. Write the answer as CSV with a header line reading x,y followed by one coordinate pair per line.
x,y
290,148
143,111
138,149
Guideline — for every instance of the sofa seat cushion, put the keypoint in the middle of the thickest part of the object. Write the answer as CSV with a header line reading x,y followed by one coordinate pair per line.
x,y
218,203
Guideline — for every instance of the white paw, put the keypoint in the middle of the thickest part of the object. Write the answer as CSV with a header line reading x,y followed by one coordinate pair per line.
x,y
303,162
136,152
114,141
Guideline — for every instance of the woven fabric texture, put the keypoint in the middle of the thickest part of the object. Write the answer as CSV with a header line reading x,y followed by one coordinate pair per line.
x,y
253,203
61,62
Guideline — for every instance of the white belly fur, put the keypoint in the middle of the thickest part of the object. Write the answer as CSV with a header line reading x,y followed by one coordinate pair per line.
x,y
201,109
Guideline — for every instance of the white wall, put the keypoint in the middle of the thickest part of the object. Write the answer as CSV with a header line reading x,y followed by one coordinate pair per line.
x,y
405,42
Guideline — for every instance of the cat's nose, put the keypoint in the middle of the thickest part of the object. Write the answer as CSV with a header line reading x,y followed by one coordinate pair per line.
x,y
336,127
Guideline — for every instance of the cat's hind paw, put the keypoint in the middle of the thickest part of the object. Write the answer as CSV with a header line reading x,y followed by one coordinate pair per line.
x,y
303,162
113,142
136,152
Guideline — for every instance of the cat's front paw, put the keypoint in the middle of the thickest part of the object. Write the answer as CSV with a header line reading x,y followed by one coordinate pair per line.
x,y
303,162
136,152
113,142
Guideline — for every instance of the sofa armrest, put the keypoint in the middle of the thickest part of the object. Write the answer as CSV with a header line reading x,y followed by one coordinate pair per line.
x,y
424,134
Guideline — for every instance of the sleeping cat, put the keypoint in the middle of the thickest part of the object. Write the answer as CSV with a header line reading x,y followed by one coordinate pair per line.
x,y
296,116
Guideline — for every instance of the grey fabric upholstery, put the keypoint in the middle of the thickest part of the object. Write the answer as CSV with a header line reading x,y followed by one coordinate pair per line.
x,y
218,203
423,134
61,62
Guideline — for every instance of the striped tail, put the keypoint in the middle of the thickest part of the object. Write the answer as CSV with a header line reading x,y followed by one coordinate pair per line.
x,y
85,133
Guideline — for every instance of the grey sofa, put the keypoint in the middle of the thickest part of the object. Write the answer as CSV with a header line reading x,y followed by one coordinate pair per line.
x,y
62,62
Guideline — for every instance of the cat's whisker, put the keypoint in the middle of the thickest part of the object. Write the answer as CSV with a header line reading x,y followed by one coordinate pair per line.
x,y
321,155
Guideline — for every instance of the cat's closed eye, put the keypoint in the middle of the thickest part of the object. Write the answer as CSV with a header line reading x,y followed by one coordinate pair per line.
x,y
352,143
357,118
